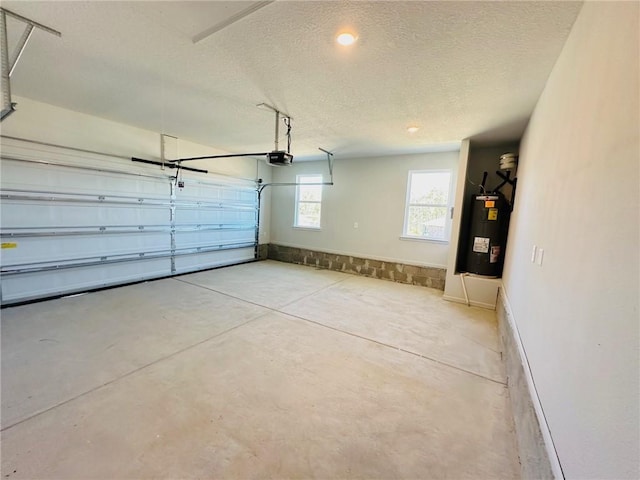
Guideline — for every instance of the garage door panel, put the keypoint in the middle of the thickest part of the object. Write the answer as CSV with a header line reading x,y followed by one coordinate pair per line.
x,y
209,216
45,248
213,238
16,214
192,263
223,192
72,221
29,286
30,176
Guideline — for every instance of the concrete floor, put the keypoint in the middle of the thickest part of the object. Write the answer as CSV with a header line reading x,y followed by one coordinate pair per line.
x,y
262,370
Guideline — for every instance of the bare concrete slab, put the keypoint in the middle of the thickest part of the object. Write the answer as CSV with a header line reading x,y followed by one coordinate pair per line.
x,y
269,283
234,390
409,317
55,350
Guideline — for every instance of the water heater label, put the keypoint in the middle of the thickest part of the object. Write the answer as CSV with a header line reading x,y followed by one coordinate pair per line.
x,y
9,245
495,253
481,244
489,203
493,214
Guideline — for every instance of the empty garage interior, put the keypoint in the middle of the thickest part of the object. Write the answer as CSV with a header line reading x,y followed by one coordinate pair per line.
x,y
243,315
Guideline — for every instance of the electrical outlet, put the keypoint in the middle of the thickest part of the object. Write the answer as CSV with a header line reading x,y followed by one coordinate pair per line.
x,y
534,253
355,225
540,256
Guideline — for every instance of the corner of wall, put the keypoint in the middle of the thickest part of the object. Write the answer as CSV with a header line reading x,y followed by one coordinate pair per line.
x,y
263,251
537,454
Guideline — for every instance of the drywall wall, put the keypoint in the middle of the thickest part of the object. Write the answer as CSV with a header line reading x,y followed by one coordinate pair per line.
x,y
577,198
368,191
48,123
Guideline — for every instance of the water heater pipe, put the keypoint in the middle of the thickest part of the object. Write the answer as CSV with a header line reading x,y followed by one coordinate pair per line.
x,y
464,288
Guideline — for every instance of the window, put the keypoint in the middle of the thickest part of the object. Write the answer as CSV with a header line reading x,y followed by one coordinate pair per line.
x,y
308,201
428,201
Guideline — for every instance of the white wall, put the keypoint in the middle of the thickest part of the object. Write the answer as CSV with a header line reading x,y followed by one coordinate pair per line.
x,y
369,191
578,199
47,123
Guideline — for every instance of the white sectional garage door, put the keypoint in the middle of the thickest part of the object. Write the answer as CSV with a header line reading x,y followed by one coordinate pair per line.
x,y
73,221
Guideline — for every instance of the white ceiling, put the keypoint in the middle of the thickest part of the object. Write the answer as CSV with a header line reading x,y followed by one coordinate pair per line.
x,y
456,69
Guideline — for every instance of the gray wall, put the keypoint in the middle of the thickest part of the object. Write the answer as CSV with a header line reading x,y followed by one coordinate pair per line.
x,y
367,191
578,199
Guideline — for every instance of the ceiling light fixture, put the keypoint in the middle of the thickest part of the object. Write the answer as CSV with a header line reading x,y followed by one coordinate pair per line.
x,y
413,129
346,39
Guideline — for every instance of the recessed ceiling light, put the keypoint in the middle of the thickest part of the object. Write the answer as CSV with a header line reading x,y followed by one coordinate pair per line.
x,y
346,39
413,129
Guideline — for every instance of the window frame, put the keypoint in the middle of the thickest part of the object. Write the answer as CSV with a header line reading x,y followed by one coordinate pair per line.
x,y
448,206
298,201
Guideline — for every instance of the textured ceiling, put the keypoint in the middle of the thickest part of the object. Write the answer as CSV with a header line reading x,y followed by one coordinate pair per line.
x,y
456,69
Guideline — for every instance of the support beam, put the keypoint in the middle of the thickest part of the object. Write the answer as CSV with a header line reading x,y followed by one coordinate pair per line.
x,y
7,105
8,65
31,22
22,43
230,21
230,155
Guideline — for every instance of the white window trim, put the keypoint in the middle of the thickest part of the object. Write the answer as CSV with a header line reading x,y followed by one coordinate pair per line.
x,y
298,201
313,229
449,206
412,238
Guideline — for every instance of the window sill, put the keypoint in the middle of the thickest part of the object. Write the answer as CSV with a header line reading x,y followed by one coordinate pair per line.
x,y
423,239
313,229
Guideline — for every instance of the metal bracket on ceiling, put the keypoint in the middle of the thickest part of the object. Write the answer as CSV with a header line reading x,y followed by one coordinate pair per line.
x,y
9,62
262,186
329,161
287,119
